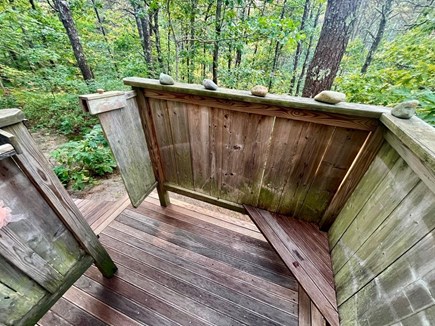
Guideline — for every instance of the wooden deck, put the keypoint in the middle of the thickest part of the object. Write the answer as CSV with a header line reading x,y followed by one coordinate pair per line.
x,y
184,265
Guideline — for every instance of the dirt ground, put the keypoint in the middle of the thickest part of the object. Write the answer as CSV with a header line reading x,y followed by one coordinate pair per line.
x,y
111,187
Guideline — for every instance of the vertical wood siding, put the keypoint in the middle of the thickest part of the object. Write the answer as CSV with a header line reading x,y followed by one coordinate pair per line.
x,y
383,244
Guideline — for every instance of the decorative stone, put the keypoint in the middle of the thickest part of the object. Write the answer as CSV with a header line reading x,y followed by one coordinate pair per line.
x,y
209,84
405,110
100,91
165,79
259,90
330,97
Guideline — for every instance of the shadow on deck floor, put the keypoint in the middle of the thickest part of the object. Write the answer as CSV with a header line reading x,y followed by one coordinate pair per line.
x,y
181,265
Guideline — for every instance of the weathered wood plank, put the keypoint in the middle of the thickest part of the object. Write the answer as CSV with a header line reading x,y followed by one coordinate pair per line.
x,y
427,174
199,138
178,121
361,164
416,135
160,118
149,128
344,146
271,99
321,293
10,116
396,185
123,130
286,140
13,305
72,314
304,308
51,318
49,300
405,226
36,223
190,259
216,129
316,317
99,309
36,167
377,171
106,102
316,139
400,291
323,118
6,150
208,199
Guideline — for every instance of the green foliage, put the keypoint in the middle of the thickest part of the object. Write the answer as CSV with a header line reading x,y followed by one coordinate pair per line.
x,y
403,69
79,162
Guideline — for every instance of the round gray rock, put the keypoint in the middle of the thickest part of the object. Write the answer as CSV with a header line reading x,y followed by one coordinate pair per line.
x,y
405,110
259,90
165,79
330,97
209,84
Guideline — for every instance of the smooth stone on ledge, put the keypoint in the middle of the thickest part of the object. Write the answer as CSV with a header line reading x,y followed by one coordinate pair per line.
x,y
259,90
405,110
330,97
209,84
165,79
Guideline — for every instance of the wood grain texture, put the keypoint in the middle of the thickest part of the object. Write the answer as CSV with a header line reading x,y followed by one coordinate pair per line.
x,y
123,130
99,103
6,150
324,118
271,99
298,258
37,169
10,116
416,135
425,172
304,308
149,127
354,175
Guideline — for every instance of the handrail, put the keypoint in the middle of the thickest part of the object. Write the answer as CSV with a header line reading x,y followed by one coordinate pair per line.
x,y
351,109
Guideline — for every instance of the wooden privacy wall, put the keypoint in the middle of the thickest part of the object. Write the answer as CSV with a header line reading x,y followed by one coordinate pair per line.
x,y
248,155
383,241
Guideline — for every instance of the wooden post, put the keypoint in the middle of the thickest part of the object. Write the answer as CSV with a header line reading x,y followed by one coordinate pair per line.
x,y
153,147
37,169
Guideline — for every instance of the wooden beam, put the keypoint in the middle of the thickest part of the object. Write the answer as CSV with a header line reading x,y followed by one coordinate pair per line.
x,y
50,299
356,110
153,146
268,109
99,103
356,172
421,168
10,116
33,163
416,135
208,199
6,150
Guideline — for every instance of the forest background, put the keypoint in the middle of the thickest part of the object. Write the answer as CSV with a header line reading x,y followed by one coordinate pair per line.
x,y
375,51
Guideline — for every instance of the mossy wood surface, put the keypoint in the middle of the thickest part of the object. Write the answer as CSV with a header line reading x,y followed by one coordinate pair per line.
x,y
382,244
283,165
123,130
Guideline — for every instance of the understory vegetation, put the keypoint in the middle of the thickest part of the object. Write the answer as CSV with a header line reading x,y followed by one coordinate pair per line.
x,y
52,51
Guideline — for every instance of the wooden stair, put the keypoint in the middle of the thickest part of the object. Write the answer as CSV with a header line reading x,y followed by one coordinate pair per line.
x,y
305,251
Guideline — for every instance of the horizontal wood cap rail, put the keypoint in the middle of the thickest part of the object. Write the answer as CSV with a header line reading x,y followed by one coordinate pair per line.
x,y
361,110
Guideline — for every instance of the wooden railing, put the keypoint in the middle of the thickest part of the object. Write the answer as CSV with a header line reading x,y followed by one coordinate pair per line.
x,y
284,154
354,167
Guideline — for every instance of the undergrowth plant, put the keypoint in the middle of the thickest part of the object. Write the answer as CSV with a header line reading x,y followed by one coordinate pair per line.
x,y
79,162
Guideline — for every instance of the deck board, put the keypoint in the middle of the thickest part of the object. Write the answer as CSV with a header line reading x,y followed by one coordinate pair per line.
x,y
180,265
307,259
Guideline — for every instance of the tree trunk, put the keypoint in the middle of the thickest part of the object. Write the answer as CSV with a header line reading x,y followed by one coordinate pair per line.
x,y
70,28
154,23
192,50
218,27
299,47
142,24
103,32
386,10
307,54
278,48
336,30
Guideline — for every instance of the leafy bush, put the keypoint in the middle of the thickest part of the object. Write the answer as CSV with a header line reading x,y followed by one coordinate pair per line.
x,y
80,161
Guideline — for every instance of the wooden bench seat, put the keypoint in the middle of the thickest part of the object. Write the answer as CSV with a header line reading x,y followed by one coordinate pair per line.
x,y
305,251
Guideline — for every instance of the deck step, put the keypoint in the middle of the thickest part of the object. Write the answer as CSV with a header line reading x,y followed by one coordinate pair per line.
x,y
305,251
